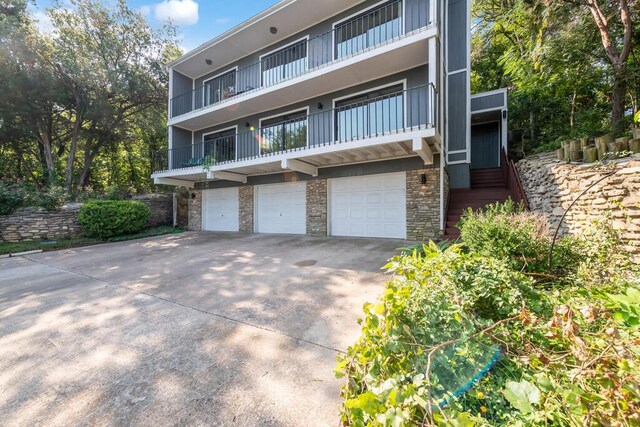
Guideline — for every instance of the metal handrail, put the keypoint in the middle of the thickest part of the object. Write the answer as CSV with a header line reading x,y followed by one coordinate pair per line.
x,y
393,113
319,51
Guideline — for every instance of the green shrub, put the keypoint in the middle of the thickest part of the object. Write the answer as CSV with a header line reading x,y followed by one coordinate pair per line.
x,y
570,344
506,231
12,196
109,218
50,199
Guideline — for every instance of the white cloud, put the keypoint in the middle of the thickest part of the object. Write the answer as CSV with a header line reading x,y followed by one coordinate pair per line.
x,y
145,10
179,12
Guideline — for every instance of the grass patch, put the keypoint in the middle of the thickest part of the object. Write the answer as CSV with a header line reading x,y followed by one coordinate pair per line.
x,y
152,232
48,245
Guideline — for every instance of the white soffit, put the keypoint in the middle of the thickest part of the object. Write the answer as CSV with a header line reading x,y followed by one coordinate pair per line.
x,y
288,16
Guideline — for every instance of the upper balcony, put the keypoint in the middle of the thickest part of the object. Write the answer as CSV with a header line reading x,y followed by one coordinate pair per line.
x,y
375,42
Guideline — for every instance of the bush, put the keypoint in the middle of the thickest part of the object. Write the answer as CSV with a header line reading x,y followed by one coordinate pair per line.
x,y
12,196
506,231
109,218
473,337
50,199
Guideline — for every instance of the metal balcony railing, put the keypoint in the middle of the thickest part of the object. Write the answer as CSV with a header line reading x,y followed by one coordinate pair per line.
x,y
376,27
393,113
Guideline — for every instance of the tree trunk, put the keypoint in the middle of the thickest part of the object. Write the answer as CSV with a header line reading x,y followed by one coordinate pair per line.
x,y
618,95
572,118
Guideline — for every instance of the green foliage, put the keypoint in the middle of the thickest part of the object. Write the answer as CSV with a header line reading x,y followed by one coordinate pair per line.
x,y
12,197
505,231
570,343
50,199
109,218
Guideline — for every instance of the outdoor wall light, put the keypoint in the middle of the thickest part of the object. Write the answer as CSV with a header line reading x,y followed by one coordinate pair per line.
x,y
423,179
504,114
247,124
208,61
273,30
193,196
320,106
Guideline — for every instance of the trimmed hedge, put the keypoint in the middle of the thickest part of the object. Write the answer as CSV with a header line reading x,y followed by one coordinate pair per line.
x,y
109,218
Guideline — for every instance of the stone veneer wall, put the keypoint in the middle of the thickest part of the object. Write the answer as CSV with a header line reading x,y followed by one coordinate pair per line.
x,y
317,207
552,185
246,209
36,223
160,206
423,205
195,210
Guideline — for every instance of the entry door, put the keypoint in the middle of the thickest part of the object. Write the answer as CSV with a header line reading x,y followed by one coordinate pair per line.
x,y
369,206
485,145
281,208
220,209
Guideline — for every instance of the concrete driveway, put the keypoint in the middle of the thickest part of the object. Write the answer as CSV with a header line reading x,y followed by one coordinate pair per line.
x,y
198,328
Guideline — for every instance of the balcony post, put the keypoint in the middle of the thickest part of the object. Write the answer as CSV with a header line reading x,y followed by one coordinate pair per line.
x,y
170,156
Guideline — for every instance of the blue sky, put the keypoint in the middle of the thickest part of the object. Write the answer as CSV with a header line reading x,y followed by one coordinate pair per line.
x,y
197,20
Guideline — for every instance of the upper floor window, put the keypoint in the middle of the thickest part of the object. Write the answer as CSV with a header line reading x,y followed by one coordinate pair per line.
x,y
368,29
283,133
220,147
219,88
285,63
370,114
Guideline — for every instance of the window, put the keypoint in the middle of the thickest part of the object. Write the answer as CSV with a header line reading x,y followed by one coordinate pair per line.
x,y
368,29
219,88
283,133
284,64
220,147
370,114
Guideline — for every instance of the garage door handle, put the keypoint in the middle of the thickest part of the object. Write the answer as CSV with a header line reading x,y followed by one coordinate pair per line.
x,y
280,213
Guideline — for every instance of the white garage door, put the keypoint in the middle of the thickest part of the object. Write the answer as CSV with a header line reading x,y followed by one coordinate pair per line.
x,y
369,206
220,210
281,208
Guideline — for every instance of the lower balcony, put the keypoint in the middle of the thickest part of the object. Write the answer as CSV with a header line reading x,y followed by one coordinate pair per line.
x,y
394,125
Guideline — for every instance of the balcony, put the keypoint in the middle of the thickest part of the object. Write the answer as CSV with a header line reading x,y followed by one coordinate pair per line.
x,y
396,124
383,40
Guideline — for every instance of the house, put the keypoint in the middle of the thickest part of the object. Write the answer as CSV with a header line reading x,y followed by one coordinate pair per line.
x,y
333,117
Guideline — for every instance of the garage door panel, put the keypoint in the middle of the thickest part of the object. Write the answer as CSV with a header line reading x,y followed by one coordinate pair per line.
x,y
281,208
368,206
220,210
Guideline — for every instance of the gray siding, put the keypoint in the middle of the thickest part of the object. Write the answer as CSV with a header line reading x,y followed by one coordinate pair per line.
x,y
459,176
320,128
457,22
373,168
457,109
180,137
457,112
486,102
181,83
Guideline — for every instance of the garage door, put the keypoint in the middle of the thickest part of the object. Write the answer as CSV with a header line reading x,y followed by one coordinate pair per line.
x,y
220,209
281,208
369,206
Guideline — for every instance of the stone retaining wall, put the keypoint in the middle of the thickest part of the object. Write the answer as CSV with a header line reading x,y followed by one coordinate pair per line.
x,y
551,186
36,223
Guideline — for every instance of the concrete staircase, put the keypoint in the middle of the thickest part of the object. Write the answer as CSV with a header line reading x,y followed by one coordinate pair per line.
x,y
487,186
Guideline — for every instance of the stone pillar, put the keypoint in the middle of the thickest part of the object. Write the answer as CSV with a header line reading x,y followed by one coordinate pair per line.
x,y
195,210
423,205
317,207
246,209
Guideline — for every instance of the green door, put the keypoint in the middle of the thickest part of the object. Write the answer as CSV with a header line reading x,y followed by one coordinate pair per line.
x,y
485,145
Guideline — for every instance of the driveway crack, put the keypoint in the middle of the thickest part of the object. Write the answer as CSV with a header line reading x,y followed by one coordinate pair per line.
x,y
188,307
